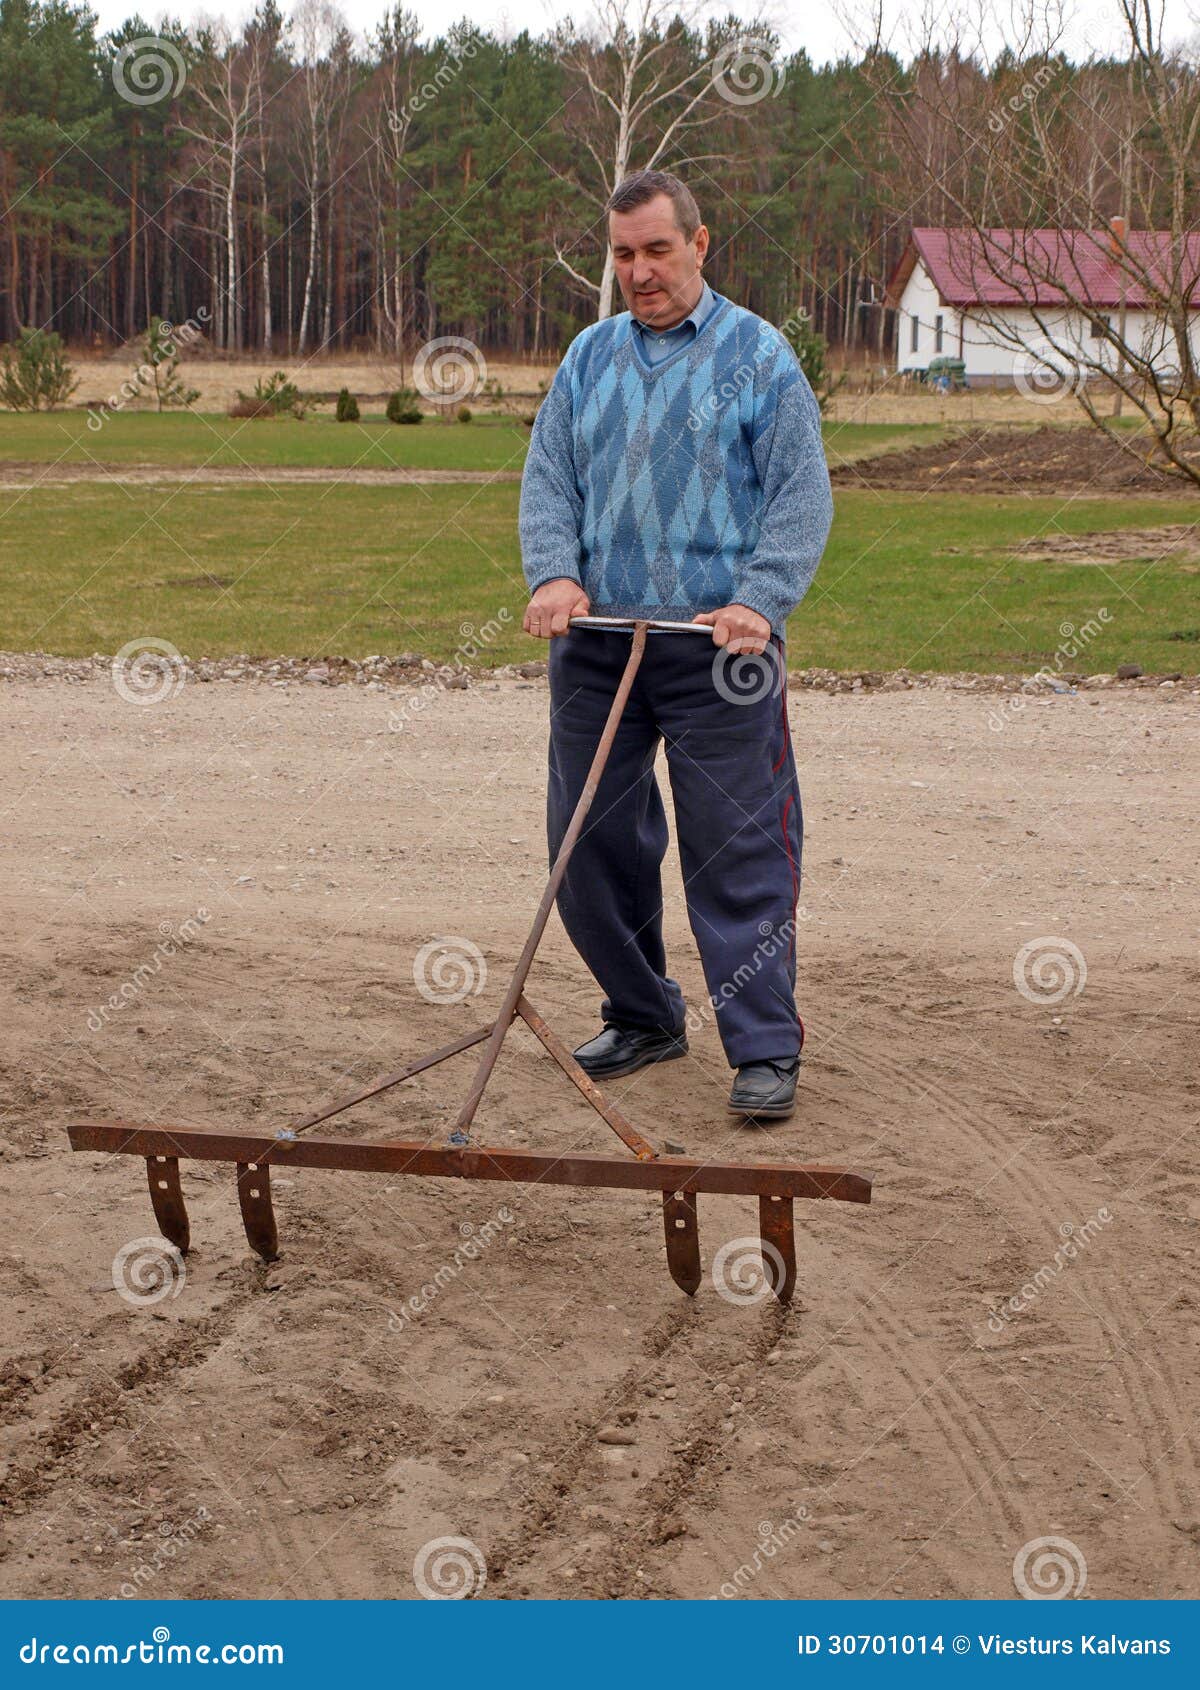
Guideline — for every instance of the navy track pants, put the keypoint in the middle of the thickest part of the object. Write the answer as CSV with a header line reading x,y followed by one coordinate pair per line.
x,y
737,818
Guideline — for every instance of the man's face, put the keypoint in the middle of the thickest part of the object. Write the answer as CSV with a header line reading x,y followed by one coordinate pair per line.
x,y
659,271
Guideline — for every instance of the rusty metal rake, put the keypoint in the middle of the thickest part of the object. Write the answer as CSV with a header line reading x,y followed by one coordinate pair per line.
x,y
680,1179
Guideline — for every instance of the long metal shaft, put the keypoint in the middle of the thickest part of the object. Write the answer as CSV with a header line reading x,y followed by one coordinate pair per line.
x,y
516,985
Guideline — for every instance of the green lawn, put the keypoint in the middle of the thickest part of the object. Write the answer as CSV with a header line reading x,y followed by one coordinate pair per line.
x,y
190,439
922,581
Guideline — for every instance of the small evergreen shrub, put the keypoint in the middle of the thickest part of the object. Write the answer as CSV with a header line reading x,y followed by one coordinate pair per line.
x,y
402,406
36,375
162,357
273,396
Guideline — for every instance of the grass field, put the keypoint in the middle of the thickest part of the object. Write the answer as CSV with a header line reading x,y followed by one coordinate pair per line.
x,y
926,581
192,440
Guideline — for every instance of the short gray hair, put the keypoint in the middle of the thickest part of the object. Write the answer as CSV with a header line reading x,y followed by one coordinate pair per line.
x,y
645,185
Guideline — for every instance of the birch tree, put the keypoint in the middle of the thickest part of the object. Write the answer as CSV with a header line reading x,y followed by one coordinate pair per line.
x,y
641,85
220,120
322,39
387,125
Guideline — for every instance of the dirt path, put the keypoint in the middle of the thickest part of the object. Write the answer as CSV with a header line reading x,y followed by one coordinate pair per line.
x,y
1032,462
951,1383
22,476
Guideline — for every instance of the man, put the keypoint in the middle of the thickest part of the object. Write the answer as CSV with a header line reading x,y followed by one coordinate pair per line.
x,y
675,470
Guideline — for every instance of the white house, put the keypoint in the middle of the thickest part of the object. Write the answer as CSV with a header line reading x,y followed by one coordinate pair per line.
x,y
1019,306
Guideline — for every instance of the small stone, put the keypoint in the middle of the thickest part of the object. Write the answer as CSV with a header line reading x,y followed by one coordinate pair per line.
x,y
1129,671
825,1546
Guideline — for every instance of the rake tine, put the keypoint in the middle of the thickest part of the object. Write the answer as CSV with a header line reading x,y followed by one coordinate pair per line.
x,y
258,1217
778,1245
166,1194
683,1239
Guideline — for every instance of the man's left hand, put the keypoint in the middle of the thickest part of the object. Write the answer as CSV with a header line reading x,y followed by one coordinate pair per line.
x,y
739,628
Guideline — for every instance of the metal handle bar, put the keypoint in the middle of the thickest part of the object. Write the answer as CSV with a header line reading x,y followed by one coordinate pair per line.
x,y
647,621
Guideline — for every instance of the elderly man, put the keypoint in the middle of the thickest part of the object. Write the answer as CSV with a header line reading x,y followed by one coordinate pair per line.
x,y
675,470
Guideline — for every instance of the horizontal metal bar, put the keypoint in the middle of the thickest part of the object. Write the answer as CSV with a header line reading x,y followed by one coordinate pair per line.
x,y
526,1167
626,622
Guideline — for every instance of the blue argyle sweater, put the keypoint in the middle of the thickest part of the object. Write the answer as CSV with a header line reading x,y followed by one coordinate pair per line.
x,y
670,490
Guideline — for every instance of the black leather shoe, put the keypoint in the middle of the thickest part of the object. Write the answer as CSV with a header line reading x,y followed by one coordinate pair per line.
x,y
623,1050
765,1091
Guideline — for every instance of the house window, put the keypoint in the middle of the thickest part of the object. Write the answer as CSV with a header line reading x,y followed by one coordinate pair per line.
x,y
1098,327
916,333
937,333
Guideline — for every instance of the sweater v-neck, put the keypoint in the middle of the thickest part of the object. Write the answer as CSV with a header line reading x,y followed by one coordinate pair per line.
x,y
649,371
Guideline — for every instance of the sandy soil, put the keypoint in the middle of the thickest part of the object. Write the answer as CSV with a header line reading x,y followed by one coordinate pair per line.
x,y
1177,541
1030,462
927,1409
219,381
981,406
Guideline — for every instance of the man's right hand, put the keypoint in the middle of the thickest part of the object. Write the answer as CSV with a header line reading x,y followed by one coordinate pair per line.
x,y
551,608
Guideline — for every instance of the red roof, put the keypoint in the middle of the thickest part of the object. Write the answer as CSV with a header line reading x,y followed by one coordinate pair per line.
x,y
1042,266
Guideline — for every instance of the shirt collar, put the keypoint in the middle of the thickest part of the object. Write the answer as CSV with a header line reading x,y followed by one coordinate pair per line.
x,y
695,316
